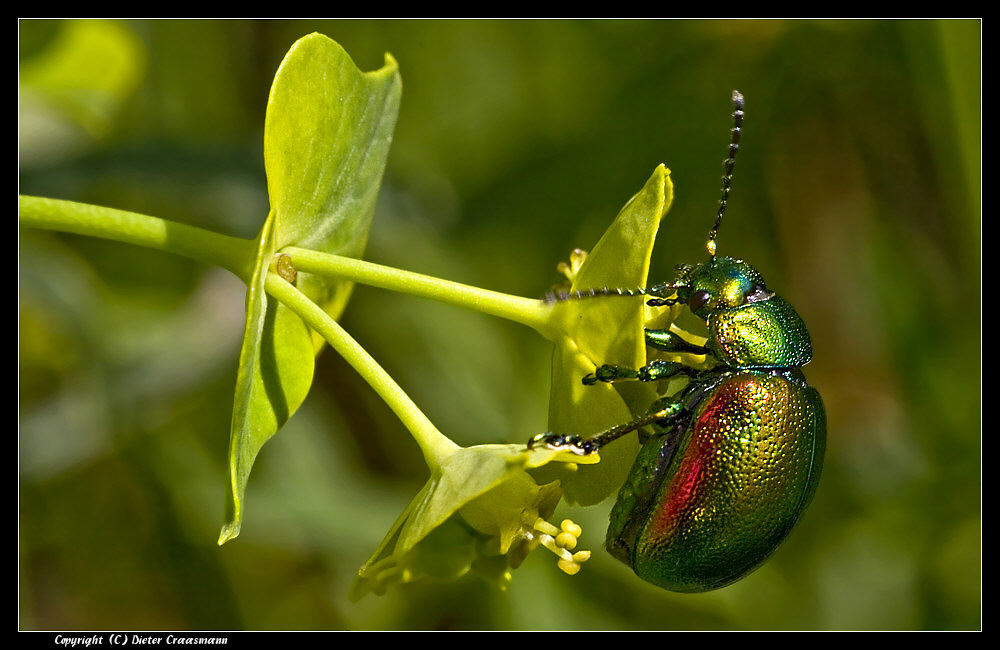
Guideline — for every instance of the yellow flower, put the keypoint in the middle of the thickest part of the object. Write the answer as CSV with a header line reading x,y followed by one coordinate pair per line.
x,y
481,510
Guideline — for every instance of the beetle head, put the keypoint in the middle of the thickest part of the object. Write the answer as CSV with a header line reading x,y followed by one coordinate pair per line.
x,y
721,283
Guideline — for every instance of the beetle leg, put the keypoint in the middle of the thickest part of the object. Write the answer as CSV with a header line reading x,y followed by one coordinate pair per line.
x,y
609,374
670,342
662,410
653,371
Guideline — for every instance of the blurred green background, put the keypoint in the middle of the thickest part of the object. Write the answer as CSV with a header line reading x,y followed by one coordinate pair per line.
x,y
856,193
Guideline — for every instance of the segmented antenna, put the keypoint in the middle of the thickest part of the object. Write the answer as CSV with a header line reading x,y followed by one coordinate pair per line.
x,y
562,296
661,291
734,146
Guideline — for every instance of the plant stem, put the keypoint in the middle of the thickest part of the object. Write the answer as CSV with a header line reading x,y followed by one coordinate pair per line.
x,y
231,253
533,313
434,444
237,256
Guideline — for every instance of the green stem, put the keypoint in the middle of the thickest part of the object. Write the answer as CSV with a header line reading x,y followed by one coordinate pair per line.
x,y
237,256
434,444
231,253
534,313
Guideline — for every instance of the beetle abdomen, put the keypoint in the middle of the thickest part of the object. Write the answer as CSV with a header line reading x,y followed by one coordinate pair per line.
x,y
703,512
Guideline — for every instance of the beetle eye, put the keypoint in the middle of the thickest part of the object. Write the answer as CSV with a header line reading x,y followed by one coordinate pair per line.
x,y
698,299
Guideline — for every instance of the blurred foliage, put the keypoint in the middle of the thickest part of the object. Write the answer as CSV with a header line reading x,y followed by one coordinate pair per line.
x,y
857,194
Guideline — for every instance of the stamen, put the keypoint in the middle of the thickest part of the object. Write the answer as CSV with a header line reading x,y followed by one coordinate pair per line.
x,y
561,541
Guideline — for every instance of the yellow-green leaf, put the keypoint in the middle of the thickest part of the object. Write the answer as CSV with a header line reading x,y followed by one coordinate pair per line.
x,y
326,140
607,330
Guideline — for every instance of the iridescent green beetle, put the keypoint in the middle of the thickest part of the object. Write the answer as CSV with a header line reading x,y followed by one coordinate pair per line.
x,y
734,458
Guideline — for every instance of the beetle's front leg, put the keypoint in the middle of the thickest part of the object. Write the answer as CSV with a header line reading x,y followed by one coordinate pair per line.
x,y
653,371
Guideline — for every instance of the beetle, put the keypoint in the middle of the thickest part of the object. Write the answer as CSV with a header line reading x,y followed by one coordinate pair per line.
x,y
734,457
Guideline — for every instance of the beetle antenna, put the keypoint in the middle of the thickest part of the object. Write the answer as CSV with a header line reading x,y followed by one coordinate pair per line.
x,y
563,296
734,146
660,293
